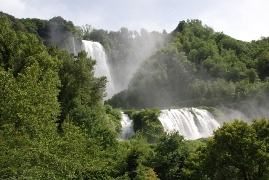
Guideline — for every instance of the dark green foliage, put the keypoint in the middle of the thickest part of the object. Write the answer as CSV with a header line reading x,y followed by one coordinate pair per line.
x,y
237,151
132,163
171,153
100,36
115,116
263,64
81,93
31,78
193,145
17,25
40,86
199,67
37,27
146,121
138,160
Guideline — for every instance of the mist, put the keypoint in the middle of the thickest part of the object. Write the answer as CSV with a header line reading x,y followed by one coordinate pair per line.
x,y
61,35
127,49
247,110
131,49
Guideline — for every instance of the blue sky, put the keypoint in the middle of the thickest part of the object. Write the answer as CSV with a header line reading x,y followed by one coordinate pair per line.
x,y
242,19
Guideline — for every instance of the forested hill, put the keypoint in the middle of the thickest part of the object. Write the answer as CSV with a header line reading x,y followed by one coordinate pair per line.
x,y
52,119
54,125
191,66
199,67
125,49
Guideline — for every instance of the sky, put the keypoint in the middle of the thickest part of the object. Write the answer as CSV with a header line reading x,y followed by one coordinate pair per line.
x,y
241,19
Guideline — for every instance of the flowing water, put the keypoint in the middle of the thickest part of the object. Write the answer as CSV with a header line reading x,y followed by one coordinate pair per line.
x,y
127,127
96,51
192,123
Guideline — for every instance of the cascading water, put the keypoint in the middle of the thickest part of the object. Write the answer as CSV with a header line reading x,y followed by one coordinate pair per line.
x,y
192,123
127,127
96,51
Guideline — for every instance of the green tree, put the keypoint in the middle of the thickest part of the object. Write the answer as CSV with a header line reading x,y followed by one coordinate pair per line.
x,y
193,166
146,121
29,79
171,153
138,159
30,146
36,26
237,151
262,64
79,86
7,41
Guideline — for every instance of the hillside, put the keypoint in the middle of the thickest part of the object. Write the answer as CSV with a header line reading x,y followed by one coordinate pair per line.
x,y
54,123
200,67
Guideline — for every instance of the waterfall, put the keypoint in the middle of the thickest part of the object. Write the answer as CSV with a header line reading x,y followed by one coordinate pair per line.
x,y
192,123
96,51
127,127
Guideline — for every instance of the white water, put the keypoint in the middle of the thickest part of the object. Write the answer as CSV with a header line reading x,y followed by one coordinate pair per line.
x,y
192,123
96,51
127,127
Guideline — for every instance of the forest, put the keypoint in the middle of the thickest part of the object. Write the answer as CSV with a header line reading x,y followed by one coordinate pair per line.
x,y
55,124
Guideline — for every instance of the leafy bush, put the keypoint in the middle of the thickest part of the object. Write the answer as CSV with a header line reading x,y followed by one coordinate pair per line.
x,y
146,121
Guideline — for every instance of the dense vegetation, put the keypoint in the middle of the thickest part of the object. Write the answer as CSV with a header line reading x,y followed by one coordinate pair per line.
x,y
199,67
54,125
147,123
51,110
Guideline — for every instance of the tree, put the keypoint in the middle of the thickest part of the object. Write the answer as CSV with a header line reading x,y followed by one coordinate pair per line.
x,y
146,121
237,151
61,33
137,163
263,65
7,41
30,146
36,26
79,86
29,80
170,156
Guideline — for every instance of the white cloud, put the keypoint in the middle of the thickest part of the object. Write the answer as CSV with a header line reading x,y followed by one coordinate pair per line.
x,y
14,7
241,19
245,20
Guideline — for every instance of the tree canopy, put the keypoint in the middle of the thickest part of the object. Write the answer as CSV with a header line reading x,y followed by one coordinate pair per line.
x,y
198,67
55,125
